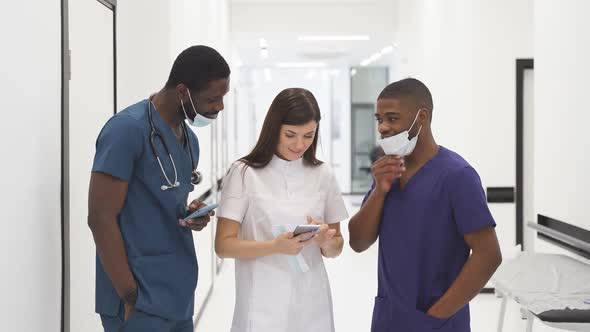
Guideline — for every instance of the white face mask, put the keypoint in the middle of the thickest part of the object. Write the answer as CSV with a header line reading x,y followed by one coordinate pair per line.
x,y
199,120
400,144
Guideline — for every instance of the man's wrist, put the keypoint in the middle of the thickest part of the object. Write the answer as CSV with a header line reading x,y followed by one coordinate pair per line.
x,y
130,297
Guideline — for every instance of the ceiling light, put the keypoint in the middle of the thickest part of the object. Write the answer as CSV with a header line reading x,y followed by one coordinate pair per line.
x,y
267,75
334,72
301,65
386,50
335,38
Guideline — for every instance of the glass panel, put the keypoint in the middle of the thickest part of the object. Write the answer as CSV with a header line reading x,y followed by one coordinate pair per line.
x,y
366,85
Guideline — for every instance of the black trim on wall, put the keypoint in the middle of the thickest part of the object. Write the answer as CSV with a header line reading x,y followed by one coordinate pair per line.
x,y
110,4
114,3
64,186
500,194
567,229
521,66
487,290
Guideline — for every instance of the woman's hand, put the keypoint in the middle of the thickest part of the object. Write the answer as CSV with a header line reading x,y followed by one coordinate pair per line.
x,y
324,234
287,244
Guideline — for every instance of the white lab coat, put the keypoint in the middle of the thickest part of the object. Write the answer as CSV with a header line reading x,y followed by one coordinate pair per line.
x,y
272,296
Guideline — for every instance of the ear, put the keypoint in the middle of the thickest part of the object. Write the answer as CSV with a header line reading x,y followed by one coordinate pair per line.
x,y
182,91
424,116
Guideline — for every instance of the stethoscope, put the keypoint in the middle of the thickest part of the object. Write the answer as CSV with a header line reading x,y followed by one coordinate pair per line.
x,y
154,133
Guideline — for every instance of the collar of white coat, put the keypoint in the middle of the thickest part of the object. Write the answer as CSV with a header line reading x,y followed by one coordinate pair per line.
x,y
288,165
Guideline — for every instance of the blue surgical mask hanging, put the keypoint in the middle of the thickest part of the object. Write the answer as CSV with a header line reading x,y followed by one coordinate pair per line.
x,y
199,120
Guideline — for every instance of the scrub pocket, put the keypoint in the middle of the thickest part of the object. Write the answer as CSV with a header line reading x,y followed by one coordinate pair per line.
x,y
390,317
436,324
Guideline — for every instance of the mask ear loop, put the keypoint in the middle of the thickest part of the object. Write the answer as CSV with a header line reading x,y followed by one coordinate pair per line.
x,y
419,129
191,100
412,126
183,109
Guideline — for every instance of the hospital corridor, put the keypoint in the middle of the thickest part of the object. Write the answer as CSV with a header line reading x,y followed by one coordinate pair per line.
x,y
295,166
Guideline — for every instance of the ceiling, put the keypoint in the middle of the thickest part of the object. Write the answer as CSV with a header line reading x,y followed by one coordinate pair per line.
x,y
281,22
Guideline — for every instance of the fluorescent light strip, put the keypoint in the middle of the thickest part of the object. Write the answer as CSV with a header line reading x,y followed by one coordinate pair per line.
x,y
301,65
365,62
376,56
335,38
387,50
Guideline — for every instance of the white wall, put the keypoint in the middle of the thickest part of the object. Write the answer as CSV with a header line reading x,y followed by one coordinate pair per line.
x,y
344,18
562,50
30,133
143,49
465,52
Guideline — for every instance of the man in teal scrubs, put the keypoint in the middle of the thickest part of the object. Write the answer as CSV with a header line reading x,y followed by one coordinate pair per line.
x,y
144,169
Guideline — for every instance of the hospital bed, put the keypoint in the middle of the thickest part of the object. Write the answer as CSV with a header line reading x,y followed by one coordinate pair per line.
x,y
554,289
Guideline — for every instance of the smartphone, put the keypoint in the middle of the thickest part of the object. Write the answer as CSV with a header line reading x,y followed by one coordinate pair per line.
x,y
202,211
302,229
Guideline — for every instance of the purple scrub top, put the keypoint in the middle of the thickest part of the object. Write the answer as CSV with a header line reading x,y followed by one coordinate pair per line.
x,y
421,244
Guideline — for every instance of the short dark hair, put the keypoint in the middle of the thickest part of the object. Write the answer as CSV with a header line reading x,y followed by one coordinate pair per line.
x,y
409,88
293,106
196,67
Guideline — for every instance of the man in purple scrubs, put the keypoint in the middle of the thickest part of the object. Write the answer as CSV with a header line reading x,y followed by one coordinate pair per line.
x,y
437,243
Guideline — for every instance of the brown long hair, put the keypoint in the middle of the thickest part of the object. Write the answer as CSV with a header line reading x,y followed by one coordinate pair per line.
x,y
293,106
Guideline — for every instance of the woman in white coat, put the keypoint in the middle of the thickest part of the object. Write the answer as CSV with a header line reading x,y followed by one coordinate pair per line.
x,y
281,281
